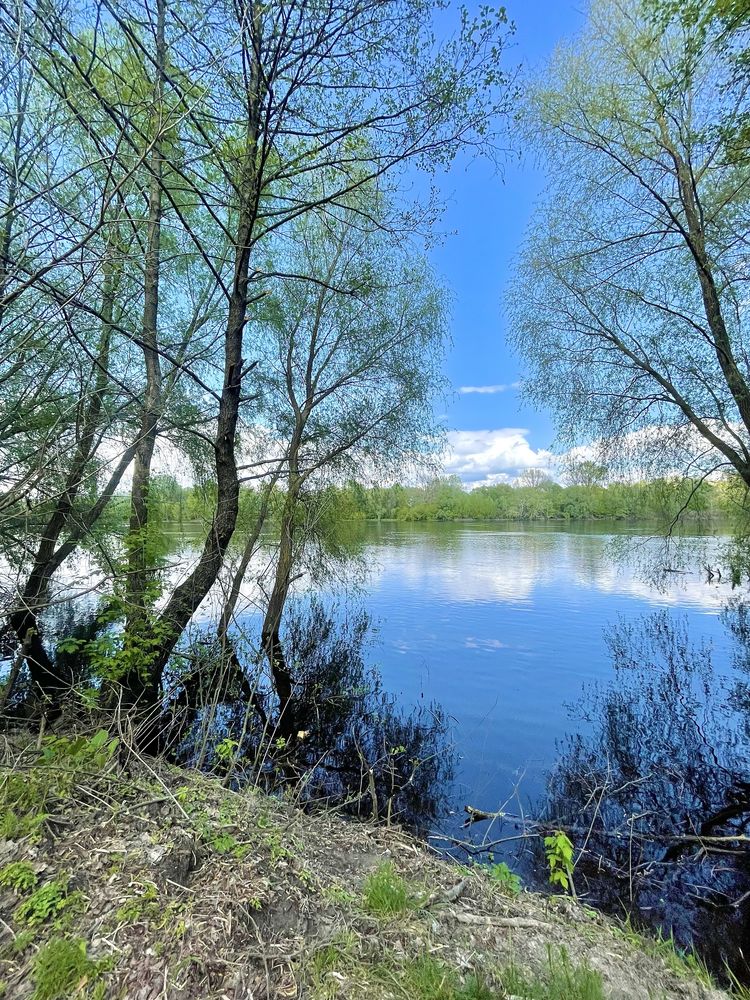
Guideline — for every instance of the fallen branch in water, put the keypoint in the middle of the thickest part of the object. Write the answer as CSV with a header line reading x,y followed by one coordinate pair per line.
x,y
535,828
478,815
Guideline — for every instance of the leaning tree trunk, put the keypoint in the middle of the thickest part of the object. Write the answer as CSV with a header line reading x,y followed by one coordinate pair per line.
x,y
23,620
186,598
139,556
270,632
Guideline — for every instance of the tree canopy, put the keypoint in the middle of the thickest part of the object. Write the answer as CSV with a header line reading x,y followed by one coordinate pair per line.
x,y
629,300
207,250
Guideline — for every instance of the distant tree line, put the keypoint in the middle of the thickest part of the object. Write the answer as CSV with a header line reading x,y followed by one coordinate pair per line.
x,y
447,499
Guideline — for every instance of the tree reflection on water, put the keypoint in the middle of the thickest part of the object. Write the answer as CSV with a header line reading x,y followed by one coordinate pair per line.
x,y
355,747
658,788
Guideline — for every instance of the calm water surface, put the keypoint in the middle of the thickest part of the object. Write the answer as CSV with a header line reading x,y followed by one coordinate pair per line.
x,y
505,628
515,631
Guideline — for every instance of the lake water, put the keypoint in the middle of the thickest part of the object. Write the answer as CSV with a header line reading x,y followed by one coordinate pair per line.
x,y
505,628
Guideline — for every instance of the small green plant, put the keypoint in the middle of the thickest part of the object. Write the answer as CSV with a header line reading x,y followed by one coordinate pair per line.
x,y
306,877
224,843
385,893
62,967
22,802
278,850
92,752
337,893
558,848
143,906
49,902
225,750
190,795
508,881
18,876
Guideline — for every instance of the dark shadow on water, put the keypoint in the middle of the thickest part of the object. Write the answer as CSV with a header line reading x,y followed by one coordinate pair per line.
x,y
356,749
663,769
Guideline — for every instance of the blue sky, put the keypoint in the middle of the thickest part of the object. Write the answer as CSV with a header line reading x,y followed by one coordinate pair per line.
x,y
489,214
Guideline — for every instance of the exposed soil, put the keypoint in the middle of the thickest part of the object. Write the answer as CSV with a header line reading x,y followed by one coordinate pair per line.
x,y
180,889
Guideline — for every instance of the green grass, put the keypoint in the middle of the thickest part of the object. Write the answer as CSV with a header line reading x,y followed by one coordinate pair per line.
x,y
62,967
562,981
386,894
736,987
427,978
430,978
681,961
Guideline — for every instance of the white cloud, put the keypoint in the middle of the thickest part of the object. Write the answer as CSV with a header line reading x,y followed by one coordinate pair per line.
x,y
483,458
488,389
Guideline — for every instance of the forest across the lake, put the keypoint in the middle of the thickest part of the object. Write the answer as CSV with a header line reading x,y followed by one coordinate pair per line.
x,y
534,496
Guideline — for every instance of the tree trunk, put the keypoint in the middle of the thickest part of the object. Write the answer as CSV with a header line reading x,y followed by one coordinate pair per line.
x,y
23,619
139,557
186,598
270,632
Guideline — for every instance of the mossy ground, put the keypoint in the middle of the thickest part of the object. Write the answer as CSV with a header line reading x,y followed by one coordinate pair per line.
x,y
130,879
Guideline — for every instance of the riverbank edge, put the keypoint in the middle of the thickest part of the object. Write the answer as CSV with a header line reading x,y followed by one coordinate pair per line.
x,y
128,878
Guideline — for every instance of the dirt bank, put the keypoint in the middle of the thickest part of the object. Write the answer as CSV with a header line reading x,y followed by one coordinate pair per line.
x,y
126,879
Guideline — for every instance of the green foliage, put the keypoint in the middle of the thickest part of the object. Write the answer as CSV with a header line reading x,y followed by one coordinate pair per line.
x,y
385,893
604,320
19,876
585,498
338,893
49,902
90,753
278,849
62,968
24,796
18,825
226,749
558,849
147,906
501,874
22,801
114,653
143,906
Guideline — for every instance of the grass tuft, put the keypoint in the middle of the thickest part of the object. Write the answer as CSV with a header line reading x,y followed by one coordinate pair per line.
x,y
562,981
62,967
681,961
386,894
